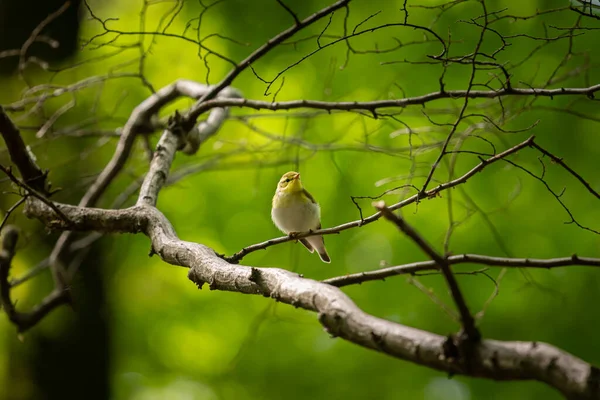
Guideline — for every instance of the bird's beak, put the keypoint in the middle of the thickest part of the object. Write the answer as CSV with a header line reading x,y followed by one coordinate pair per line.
x,y
297,176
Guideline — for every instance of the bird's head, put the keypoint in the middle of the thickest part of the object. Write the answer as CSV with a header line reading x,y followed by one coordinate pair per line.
x,y
290,183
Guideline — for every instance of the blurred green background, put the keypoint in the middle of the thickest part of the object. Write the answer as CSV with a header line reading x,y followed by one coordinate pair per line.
x,y
139,329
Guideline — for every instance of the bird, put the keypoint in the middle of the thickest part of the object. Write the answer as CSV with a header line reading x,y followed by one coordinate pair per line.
x,y
294,210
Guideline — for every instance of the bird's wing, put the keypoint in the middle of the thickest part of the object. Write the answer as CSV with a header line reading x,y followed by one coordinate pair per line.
x,y
319,227
309,196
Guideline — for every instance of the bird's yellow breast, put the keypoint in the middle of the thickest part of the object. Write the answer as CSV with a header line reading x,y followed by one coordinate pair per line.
x,y
283,200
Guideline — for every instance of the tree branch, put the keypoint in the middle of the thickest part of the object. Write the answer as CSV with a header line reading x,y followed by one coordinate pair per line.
x,y
23,321
20,155
196,110
139,122
560,162
10,211
429,265
32,192
372,106
415,198
466,318
339,315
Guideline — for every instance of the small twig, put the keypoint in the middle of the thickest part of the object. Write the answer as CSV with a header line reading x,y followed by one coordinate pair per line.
x,y
429,293
10,210
556,195
197,109
560,162
34,271
467,320
52,120
32,192
289,10
354,198
38,30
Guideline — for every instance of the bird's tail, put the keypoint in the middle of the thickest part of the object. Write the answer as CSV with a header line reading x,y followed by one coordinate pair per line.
x,y
324,256
307,245
318,244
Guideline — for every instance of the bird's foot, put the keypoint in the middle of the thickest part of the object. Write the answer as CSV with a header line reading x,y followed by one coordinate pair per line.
x,y
293,235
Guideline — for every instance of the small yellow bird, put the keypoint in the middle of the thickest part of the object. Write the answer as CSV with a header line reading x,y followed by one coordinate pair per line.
x,y
295,210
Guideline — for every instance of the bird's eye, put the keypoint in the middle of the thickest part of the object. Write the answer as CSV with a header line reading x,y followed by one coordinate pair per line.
x,y
288,179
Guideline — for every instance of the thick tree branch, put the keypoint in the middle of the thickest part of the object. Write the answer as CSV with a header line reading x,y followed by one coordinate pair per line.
x,y
429,265
20,155
339,315
140,122
159,167
171,140
466,318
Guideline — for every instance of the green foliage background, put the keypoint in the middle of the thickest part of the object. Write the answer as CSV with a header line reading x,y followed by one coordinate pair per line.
x,y
170,340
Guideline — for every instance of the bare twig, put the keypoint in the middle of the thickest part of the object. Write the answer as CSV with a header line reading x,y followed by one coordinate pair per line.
x,y
373,106
429,265
413,280
35,34
289,10
34,193
10,210
198,108
466,318
560,162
